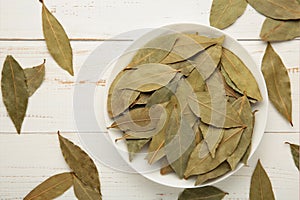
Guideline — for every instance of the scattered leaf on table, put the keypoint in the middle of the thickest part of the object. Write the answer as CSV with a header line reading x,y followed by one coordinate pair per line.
x,y
202,193
244,109
57,41
216,112
279,30
235,68
154,51
277,9
201,161
34,77
147,77
85,192
79,161
295,150
51,187
135,146
180,141
278,82
223,13
14,91
215,173
260,188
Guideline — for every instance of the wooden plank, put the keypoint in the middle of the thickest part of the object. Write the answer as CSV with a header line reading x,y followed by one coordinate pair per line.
x,y
51,108
27,160
104,19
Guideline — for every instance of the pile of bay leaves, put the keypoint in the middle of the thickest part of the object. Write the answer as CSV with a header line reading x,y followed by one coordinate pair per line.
x,y
187,99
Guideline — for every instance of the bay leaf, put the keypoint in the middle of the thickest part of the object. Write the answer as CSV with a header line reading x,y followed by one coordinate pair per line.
x,y
166,168
196,81
198,133
201,161
52,187
184,48
215,173
135,146
202,193
260,188
295,150
85,192
235,68
277,9
214,111
57,41
34,77
142,99
180,141
212,136
154,51
185,67
206,42
229,81
279,30
147,77
79,161
156,147
223,13
14,91
244,109
246,155
278,83
207,61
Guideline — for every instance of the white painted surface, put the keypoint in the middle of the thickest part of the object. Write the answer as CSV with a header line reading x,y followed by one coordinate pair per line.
x,y
29,158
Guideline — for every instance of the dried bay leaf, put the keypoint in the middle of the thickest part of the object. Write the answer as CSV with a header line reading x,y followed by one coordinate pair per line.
x,y
260,188
34,77
57,41
201,161
229,81
215,173
79,161
51,187
147,77
217,112
180,141
206,62
196,81
278,83
206,42
277,30
295,150
166,170
223,13
135,146
142,99
245,113
85,192
185,67
14,91
154,51
202,193
277,9
235,68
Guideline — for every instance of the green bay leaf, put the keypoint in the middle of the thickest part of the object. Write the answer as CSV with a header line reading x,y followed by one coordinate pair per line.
x,y
278,83
295,150
34,77
279,30
202,193
260,188
85,192
277,9
80,162
57,41
223,13
14,91
52,187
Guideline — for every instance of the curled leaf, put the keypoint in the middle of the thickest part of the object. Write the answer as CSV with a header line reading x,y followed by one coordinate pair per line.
x,y
34,77
260,188
223,13
52,187
79,161
14,91
279,30
278,83
57,41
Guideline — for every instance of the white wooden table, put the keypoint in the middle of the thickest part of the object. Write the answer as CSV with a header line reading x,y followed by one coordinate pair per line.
x,y
28,159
